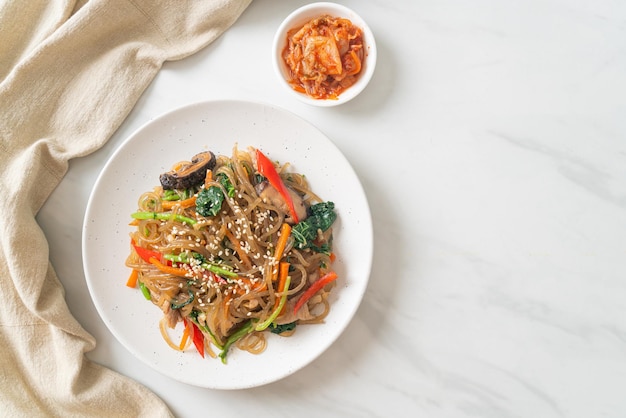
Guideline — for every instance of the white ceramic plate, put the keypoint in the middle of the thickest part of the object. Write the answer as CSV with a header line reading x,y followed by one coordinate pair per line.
x,y
178,135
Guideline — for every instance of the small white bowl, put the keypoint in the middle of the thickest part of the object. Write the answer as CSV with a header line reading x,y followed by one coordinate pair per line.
x,y
303,15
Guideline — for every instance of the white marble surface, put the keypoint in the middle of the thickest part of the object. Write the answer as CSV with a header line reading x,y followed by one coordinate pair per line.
x,y
491,143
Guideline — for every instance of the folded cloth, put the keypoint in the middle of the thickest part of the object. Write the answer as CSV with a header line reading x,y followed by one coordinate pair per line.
x,y
70,72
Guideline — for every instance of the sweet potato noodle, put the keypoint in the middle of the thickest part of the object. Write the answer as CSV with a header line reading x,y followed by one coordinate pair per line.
x,y
324,56
233,247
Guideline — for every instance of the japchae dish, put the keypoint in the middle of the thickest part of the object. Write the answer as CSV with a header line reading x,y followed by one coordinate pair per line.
x,y
324,57
232,248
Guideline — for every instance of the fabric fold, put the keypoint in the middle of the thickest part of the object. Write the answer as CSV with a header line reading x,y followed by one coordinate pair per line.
x,y
25,24
67,82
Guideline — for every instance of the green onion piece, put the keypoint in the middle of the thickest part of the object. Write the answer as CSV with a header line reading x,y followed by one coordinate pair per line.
x,y
241,332
281,304
180,258
163,216
170,195
184,258
145,291
220,271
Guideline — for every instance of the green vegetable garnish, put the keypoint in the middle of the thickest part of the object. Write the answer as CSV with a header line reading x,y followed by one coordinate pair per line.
x,y
240,333
274,315
145,291
279,329
170,195
165,216
184,303
209,201
184,259
322,217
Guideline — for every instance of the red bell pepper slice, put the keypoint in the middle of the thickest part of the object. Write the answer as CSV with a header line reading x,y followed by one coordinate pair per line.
x,y
267,170
196,336
198,339
147,254
315,287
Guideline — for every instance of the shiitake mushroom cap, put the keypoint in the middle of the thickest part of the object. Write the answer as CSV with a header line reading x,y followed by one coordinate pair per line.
x,y
189,175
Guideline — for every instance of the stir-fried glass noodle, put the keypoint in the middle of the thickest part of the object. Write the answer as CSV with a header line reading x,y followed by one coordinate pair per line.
x,y
233,247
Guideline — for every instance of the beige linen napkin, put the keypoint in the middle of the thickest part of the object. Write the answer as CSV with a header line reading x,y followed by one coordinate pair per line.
x,y
70,72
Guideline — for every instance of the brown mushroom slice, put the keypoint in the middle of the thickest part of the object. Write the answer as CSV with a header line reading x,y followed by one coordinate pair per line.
x,y
189,175
268,193
172,316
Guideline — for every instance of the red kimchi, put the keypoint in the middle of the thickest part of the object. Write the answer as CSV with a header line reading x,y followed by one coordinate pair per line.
x,y
324,56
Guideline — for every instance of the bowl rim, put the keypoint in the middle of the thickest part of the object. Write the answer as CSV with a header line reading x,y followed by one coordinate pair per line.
x,y
304,14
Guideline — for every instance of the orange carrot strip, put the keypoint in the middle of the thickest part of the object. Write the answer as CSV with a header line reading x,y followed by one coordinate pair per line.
x,y
242,254
168,269
259,286
183,341
132,279
285,231
169,204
